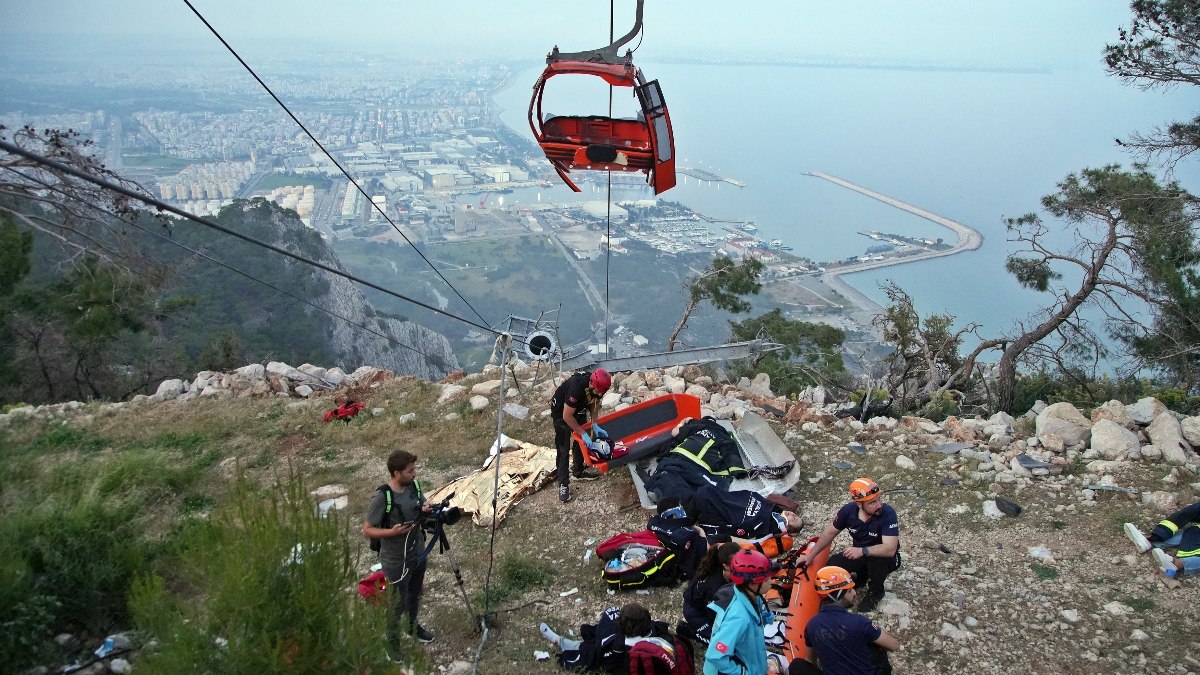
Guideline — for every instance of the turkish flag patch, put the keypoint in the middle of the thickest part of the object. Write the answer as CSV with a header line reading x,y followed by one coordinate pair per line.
x,y
722,647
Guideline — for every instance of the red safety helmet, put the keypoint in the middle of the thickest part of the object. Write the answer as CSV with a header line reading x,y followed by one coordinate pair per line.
x,y
749,565
600,380
863,490
831,579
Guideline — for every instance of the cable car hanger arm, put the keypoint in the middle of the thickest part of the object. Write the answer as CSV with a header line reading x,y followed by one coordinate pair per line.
x,y
607,54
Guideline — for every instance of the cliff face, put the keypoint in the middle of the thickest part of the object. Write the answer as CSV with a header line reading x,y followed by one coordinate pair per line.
x,y
413,349
390,344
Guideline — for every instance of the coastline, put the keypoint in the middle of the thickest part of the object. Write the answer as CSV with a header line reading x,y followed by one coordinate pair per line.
x,y
861,308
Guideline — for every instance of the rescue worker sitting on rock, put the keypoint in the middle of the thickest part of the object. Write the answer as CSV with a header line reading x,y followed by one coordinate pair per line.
x,y
874,552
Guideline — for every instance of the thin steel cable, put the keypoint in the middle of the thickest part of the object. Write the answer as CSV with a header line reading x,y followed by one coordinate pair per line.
x,y
608,175
432,358
163,206
330,156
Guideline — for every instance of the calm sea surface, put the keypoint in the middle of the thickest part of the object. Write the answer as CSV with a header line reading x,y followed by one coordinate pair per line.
x,y
972,146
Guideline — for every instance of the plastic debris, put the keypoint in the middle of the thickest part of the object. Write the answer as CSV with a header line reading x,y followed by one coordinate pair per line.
x,y
106,648
541,656
564,594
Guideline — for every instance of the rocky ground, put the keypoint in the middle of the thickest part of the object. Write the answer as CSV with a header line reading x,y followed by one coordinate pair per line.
x,y
1055,589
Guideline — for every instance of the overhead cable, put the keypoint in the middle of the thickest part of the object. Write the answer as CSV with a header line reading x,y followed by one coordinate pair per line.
x,y
330,156
433,358
163,206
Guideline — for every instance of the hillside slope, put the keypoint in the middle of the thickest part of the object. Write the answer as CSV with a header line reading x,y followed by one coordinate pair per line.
x,y
273,326
971,596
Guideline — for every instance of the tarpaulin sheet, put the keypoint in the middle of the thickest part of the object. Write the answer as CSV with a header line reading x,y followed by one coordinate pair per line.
x,y
524,469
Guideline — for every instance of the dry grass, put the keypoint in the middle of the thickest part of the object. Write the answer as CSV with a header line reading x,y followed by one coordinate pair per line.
x,y
537,553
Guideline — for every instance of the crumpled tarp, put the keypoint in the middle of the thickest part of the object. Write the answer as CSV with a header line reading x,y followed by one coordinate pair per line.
x,y
525,468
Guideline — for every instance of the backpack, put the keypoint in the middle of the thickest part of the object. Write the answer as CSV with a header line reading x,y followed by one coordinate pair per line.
x,y
637,559
647,658
372,587
376,542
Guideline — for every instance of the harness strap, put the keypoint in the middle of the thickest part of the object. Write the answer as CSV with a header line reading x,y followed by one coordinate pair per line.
x,y
699,457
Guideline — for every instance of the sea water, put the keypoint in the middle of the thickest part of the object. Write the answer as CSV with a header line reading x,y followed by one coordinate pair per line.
x,y
974,146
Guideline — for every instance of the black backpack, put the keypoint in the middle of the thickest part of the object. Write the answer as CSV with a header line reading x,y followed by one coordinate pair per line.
x,y
386,489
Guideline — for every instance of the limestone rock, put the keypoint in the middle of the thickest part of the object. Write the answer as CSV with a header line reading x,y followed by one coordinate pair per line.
x,y
674,385
451,392
486,388
252,372
1167,435
1114,411
1146,410
1065,421
1161,502
960,431
1112,440
1191,430
170,389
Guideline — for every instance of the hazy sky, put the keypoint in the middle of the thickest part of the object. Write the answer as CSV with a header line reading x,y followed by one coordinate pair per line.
x,y
1007,32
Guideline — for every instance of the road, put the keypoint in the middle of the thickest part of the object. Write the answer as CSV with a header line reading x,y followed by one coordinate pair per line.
x,y
594,297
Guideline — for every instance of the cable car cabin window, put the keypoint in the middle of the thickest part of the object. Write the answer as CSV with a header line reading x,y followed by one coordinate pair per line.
x,y
662,132
650,95
574,95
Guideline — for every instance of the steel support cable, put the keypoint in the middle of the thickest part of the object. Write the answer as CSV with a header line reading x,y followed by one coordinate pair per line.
x,y
504,346
608,174
330,156
432,358
163,206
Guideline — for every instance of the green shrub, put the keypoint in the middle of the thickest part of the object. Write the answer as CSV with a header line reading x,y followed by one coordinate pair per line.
x,y
69,562
1177,400
940,407
1044,572
518,574
275,579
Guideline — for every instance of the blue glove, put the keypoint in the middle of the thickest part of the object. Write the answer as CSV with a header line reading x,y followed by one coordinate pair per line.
x,y
587,440
600,433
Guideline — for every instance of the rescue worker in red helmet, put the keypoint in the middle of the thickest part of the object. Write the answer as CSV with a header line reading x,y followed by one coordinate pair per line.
x,y
575,401
874,550
845,643
736,644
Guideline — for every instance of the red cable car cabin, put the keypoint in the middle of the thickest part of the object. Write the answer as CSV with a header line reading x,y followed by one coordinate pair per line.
x,y
598,143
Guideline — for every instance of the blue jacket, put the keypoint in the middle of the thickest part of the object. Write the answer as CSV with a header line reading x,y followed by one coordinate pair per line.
x,y
737,646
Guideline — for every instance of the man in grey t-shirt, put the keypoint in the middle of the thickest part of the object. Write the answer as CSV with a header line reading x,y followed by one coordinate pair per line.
x,y
401,542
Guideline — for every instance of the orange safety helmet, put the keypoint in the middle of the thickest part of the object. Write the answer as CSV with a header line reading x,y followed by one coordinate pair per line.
x,y
832,579
863,490
600,380
749,566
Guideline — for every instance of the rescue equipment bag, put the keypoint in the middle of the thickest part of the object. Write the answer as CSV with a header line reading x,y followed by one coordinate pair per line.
x,y
637,559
